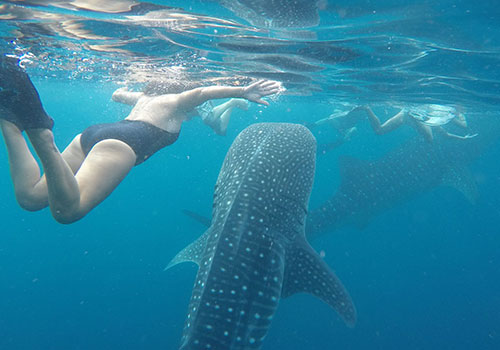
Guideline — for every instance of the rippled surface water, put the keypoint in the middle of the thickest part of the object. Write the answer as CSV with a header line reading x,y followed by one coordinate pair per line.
x,y
444,51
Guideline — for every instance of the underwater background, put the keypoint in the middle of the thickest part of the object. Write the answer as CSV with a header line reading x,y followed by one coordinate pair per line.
x,y
423,274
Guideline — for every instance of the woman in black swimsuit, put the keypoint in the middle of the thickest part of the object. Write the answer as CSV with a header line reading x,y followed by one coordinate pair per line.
x,y
96,161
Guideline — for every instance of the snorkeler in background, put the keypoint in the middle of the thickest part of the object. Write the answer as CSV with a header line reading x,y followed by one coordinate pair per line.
x,y
217,117
426,119
344,124
97,160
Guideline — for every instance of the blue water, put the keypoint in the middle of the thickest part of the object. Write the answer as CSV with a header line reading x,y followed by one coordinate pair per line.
x,y
423,275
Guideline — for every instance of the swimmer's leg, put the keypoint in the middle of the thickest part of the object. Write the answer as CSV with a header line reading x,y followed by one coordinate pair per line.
x,y
229,105
24,169
425,131
70,196
30,188
391,124
222,113
104,168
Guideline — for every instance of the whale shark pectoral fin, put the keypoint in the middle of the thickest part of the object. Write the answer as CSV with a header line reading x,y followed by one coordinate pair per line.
x,y
306,272
192,252
461,179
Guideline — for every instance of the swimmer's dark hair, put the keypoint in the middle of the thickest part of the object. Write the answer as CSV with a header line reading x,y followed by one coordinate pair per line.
x,y
156,88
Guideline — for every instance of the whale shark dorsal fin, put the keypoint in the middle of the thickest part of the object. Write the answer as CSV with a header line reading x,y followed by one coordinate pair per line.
x,y
306,272
461,179
203,220
192,252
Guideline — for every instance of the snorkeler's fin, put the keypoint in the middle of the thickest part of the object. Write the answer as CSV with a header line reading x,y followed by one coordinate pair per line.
x,y
19,100
6,113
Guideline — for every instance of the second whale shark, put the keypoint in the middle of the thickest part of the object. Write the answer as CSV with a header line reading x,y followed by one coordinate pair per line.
x,y
369,188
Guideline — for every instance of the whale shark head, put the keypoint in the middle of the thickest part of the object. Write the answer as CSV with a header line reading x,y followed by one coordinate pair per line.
x,y
254,252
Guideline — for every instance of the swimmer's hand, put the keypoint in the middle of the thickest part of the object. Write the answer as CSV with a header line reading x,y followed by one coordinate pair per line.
x,y
259,89
123,95
122,89
118,92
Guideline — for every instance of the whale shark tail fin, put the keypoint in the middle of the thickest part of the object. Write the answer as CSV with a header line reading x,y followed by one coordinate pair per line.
x,y
306,272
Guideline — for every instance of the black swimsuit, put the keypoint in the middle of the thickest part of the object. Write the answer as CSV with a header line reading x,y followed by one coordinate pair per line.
x,y
144,138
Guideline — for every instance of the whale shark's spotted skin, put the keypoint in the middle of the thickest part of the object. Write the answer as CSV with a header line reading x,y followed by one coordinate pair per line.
x,y
255,252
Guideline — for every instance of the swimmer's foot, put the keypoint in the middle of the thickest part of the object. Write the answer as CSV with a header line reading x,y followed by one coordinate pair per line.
x,y
19,100
241,103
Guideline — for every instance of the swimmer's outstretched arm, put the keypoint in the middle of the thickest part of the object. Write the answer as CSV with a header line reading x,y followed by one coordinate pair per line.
x,y
122,95
254,92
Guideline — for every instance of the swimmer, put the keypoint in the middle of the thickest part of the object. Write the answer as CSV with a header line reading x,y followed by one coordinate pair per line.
x,y
216,117
97,160
344,124
425,119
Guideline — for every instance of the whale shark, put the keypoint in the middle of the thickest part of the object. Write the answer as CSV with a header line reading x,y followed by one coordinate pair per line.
x,y
368,188
255,252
